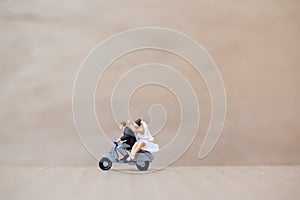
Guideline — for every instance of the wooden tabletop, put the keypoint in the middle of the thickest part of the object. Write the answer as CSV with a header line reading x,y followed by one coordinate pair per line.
x,y
224,182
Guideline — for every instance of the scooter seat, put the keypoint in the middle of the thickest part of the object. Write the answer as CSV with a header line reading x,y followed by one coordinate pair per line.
x,y
143,151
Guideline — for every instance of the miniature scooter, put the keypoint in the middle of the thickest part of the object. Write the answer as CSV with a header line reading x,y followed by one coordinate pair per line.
x,y
142,159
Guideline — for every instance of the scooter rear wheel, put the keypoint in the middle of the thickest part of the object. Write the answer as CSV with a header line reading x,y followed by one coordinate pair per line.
x,y
105,163
142,166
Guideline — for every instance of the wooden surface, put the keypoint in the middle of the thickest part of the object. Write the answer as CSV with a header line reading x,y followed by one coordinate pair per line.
x,y
256,182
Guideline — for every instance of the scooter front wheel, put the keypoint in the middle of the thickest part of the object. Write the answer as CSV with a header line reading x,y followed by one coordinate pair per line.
x,y
105,163
142,166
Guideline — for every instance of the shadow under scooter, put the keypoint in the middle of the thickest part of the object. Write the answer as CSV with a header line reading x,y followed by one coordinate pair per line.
x,y
142,159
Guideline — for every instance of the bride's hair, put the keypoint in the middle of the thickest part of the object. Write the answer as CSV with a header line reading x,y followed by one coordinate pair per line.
x,y
138,122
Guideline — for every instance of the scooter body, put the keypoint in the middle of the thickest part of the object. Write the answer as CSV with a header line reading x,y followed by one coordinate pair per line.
x,y
142,159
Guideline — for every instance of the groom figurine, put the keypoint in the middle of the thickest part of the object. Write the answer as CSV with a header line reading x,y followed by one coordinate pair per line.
x,y
126,141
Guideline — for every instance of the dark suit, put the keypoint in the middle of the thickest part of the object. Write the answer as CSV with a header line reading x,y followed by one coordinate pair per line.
x,y
129,140
128,137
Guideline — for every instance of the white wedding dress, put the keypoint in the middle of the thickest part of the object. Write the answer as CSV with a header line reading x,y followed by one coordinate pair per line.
x,y
148,139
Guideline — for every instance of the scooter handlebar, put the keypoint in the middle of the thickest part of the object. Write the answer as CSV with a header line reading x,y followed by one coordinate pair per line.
x,y
115,142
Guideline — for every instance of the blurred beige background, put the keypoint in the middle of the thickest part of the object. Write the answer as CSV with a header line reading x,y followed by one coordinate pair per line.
x,y
254,43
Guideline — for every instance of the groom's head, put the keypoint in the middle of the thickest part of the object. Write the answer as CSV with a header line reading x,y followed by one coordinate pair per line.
x,y
122,124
